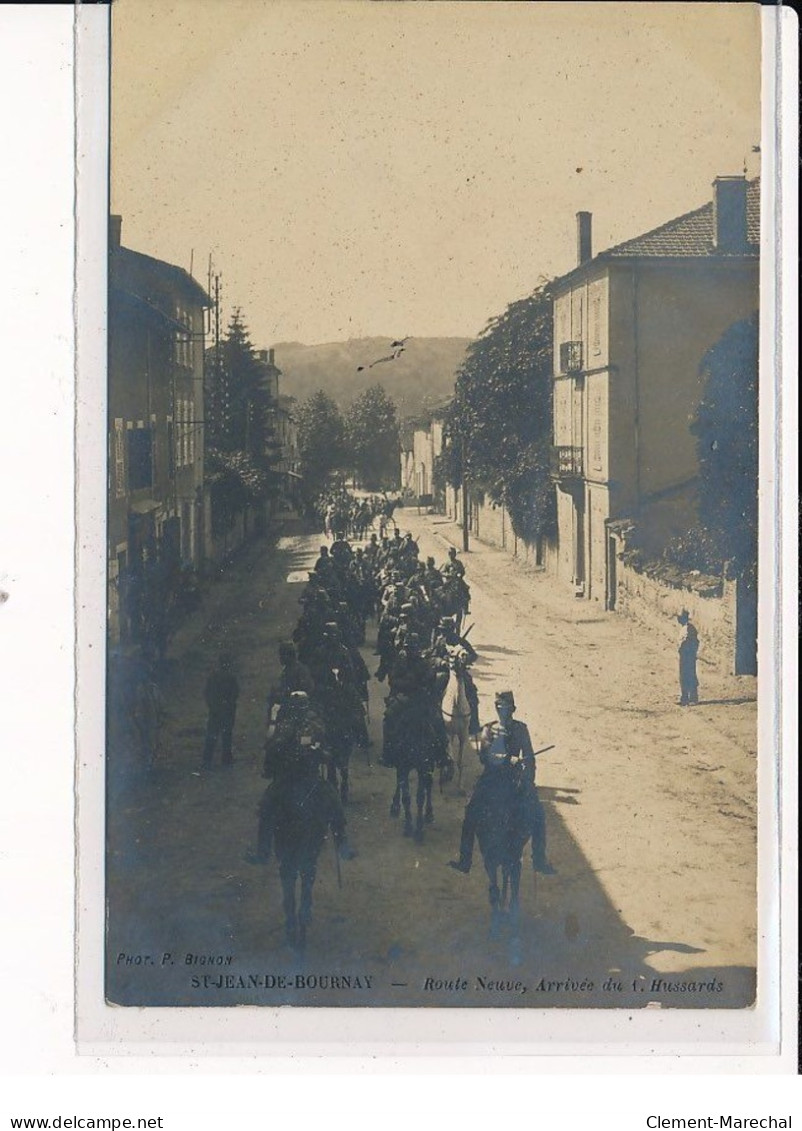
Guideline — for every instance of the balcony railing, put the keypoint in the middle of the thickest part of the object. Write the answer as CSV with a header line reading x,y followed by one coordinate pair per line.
x,y
570,357
566,462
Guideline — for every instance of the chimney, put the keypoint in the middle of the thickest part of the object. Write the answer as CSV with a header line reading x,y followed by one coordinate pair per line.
x,y
115,230
584,243
729,214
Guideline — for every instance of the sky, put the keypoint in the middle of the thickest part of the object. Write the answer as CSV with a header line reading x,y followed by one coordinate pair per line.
x,y
395,167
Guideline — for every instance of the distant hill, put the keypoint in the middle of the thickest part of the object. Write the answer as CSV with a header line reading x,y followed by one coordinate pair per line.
x,y
420,378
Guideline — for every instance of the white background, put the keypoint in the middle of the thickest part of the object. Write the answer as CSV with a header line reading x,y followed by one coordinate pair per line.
x,y
42,1073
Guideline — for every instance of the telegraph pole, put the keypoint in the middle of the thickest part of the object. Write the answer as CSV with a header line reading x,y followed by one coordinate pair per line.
x,y
464,496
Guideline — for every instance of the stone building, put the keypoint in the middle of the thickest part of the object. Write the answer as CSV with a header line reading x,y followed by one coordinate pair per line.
x,y
157,514
631,326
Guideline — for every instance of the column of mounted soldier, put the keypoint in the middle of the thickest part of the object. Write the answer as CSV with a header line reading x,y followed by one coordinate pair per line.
x,y
317,712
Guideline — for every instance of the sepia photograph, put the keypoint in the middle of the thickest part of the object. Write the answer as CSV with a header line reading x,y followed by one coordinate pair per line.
x,y
432,516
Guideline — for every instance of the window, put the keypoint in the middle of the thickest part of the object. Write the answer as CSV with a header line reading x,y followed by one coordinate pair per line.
x,y
140,458
595,324
596,433
191,426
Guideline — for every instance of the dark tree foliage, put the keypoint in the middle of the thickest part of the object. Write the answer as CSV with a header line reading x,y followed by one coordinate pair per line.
x,y
726,428
502,414
372,439
320,441
248,399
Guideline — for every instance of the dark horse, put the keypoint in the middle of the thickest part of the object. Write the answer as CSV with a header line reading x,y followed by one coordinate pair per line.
x,y
341,713
295,814
414,739
502,830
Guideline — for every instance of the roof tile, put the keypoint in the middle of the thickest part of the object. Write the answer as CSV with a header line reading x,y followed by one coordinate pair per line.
x,y
690,235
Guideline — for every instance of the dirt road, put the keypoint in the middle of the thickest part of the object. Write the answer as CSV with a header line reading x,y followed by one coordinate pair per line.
x,y
650,810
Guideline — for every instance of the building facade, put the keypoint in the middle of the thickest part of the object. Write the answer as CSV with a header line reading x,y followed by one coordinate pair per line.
x,y
157,515
631,327
421,444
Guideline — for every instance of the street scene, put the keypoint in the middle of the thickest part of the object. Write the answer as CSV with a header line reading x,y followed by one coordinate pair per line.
x,y
432,607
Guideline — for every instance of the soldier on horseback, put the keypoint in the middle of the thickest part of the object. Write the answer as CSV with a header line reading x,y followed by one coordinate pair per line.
x,y
295,814
294,676
508,758
298,727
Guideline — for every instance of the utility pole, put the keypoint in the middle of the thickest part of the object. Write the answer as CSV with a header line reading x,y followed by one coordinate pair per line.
x,y
465,546
220,411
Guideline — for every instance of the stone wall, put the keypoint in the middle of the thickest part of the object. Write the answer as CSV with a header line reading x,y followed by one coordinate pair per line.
x,y
655,604
491,524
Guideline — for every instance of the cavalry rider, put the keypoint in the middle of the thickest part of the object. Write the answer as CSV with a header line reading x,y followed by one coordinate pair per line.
x,y
372,551
311,624
294,676
341,688
413,693
454,583
341,552
432,577
295,814
505,748
453,567
447,637
298,728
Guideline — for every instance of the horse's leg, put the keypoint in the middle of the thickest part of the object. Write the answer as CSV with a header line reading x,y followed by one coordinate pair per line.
x,y
344,757
428,783
405,801
493,892
395,804
288,872
515,886
308,872
461,739
515,913
420,797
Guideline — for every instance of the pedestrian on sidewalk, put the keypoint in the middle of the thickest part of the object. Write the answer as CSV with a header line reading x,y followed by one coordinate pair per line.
x,y
222,693
688,653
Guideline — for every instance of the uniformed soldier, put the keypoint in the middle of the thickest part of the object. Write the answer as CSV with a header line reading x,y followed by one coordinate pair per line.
x,y
298,729
294,676
506,747
453,567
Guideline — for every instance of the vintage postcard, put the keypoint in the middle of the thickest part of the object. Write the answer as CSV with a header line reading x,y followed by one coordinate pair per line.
x,y
432,512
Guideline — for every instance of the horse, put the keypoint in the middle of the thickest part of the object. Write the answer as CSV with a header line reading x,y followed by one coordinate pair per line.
x,y
456,710
342,715
413,740
502,830
295,814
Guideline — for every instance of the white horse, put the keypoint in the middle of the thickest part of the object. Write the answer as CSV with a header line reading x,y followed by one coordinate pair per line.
x,y
457,710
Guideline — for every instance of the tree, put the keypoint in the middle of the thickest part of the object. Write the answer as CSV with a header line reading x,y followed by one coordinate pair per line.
x,y
320,441
500,421
372,439
726,428
248,399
